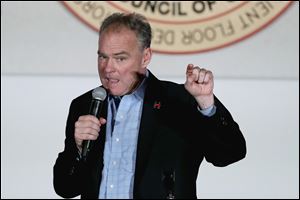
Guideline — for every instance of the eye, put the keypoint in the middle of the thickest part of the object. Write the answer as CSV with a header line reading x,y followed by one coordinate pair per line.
x,y
121,59
102,57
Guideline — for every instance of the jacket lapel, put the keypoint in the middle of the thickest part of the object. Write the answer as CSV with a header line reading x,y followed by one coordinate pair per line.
x,y
148,127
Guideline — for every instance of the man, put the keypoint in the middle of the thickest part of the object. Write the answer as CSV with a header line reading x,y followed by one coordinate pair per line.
x,y
152,135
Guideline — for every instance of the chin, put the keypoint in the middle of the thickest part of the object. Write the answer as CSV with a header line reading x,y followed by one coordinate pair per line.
x,y
114,92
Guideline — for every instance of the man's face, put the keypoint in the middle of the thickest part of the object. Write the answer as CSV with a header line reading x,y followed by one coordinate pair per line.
x,y
120,60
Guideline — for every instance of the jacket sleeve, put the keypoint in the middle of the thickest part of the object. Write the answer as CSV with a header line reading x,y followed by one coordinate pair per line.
x,y
68,167
223,143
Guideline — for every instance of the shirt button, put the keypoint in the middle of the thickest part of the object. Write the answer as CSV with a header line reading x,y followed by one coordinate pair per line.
x,y
111,186
121,116
117,139
114,162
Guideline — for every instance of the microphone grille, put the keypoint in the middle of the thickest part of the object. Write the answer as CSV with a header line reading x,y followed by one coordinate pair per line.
x,y
99,93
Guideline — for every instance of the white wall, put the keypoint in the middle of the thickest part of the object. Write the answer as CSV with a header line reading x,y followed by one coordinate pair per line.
x,y
34,110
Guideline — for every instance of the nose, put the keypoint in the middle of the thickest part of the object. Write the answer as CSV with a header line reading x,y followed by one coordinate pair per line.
x,y
108,65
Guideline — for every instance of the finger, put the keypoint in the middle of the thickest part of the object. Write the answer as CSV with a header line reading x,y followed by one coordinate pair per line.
x,y
87,124
89,118
196,72
86,134
208,76
201,75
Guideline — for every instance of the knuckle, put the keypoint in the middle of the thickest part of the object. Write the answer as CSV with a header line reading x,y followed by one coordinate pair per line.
x,y
77,124
80,118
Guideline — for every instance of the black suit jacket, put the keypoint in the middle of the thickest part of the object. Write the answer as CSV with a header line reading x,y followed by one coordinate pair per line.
x,y
174,137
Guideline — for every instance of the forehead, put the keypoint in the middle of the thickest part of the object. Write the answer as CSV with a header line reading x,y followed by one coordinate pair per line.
x,y
115,37
115,32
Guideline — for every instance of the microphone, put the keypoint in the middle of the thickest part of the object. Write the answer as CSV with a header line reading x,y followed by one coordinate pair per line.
x,y
99,95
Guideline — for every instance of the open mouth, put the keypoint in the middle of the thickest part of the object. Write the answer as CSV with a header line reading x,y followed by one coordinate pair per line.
x,y
112,81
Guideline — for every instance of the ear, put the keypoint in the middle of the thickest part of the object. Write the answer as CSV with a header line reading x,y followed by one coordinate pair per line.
x,y
147,55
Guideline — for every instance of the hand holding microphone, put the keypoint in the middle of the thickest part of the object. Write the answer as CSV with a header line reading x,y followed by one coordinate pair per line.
x,y
87,127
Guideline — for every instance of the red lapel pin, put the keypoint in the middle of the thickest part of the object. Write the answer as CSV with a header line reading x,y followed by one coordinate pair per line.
x,y
157,105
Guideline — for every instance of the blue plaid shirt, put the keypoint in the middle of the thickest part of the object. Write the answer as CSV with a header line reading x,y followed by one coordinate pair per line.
x,y
121,144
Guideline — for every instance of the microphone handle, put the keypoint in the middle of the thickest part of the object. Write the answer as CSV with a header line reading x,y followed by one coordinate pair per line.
x,y
95,110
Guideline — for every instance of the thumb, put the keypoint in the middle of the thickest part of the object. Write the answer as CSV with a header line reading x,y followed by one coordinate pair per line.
x,y
189,73
102,121
189,69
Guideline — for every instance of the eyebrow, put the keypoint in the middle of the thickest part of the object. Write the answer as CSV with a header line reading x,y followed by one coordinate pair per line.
x,y
121,53
100,53
115,54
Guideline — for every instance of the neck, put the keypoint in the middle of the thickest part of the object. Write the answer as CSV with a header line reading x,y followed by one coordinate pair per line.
x,y
136,84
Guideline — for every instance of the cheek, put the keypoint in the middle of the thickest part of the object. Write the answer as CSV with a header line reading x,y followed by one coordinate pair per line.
x,y
125,80
101,69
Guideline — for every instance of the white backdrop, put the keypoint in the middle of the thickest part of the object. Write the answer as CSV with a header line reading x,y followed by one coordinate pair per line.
x,y
34,107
